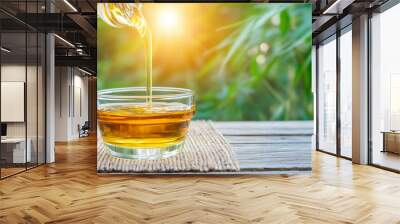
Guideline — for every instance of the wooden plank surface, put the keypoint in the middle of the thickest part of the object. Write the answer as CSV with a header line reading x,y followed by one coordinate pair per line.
x,y
269,146
265,128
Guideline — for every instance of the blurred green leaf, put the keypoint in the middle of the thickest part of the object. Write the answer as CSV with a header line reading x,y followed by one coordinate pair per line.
x,y
284,22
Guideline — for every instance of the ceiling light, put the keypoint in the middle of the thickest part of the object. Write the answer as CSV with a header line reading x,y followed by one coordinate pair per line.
x,y
333,6
65,41
337,7
5,50
84,71
70,5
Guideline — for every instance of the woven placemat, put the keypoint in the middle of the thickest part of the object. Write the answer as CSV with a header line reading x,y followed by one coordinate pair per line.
x,y
205,150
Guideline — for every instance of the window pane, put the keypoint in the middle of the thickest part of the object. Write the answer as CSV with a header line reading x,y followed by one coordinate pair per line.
x,y
327,96
346,94
386,89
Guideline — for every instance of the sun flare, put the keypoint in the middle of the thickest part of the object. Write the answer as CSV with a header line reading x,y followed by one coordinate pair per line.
x,y
169,20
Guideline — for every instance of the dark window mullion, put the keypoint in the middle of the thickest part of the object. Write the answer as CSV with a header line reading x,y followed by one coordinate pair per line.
x,y
37,90
0,96
338,74
317,96
26,87
369,95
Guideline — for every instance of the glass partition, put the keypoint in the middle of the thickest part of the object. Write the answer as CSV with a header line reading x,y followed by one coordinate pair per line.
x,y
22,90
327,95
13,94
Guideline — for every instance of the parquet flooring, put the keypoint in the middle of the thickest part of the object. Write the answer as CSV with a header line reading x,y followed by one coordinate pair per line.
x,y
10,171
70,191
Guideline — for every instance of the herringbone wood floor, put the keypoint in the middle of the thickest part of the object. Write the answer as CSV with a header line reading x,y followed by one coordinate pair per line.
x,y
70,191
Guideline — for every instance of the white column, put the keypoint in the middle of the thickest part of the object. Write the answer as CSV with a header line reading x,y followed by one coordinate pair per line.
x,y
360,90
50,92
50,100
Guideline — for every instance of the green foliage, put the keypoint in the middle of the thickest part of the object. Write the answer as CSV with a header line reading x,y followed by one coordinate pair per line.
x,y
256,83
258,69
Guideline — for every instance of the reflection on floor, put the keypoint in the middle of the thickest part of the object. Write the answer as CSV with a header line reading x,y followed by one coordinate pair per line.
x,y
10,169
386,159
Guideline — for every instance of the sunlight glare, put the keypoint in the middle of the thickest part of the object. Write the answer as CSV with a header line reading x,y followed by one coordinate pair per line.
x,y
168,19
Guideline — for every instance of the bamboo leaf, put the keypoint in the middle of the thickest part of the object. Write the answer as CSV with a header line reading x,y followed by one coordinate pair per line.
x,y
284,22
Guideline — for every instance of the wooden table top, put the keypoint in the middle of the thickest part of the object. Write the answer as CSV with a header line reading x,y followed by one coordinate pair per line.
x,y
270,146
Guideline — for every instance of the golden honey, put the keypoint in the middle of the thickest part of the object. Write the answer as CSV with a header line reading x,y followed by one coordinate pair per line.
x,y
140,126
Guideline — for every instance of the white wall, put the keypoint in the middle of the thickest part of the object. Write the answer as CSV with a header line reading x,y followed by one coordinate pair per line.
x,y
33,127
80,115
71,94
62,81
17,73
14,73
